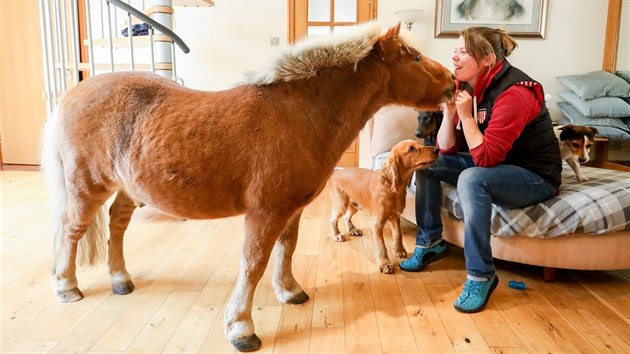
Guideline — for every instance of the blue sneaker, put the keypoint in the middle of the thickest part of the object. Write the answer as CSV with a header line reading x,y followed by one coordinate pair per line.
x,y
422,257
475,295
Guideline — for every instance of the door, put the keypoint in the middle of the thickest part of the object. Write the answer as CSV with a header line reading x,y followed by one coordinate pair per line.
x,y
321,17
22,104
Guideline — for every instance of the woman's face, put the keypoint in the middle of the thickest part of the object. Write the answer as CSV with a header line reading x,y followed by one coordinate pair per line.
x,y
466,68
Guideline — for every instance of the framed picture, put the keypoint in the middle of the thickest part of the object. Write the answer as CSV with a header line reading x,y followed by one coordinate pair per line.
x,y
521,18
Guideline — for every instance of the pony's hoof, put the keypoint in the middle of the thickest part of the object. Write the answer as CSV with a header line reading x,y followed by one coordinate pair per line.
x,y
356,232
123,288
387,269
247,344
71,295
300,298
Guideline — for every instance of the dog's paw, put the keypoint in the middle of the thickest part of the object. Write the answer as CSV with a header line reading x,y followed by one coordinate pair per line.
x,y
401,253
338,237
387,268
356,232
582,178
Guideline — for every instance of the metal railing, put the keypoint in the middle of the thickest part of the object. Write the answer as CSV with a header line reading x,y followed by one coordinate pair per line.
x,y
61,47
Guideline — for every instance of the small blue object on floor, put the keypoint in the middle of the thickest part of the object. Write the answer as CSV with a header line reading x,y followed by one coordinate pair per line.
x,y
518,285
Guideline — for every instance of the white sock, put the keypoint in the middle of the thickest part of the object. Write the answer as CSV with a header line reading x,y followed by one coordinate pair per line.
x,y
472,277
431,245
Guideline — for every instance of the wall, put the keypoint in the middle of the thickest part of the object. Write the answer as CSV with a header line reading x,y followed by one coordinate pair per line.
x,y
234,37
623,52
229,39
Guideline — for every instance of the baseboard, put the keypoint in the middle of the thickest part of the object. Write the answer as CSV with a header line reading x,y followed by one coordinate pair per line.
x,y
14,167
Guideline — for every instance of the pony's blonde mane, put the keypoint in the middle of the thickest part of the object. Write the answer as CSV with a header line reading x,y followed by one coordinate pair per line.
x,y
302,60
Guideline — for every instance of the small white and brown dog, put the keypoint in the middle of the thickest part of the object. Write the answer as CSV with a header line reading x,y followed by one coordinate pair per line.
x,y
575,144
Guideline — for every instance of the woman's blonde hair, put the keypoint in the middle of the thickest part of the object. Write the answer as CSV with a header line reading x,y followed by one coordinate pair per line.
x,y
484,41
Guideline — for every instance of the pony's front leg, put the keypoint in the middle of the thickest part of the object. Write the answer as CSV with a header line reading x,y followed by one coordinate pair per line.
x,y
119,215
261,231
287,289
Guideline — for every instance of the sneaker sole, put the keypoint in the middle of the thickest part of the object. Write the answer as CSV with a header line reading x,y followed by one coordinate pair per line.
x,y
493,286
430,260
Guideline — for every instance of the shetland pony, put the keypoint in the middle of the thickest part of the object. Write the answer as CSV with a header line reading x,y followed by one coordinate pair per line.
x,y
264,149
382,194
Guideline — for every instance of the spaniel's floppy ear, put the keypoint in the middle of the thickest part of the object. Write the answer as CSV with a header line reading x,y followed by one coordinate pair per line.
x,y
389,172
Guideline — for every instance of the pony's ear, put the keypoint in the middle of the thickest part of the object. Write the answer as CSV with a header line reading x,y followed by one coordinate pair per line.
x,y
392,32
385,46
389,172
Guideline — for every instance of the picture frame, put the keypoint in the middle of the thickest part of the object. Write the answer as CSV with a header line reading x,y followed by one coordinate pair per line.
x,y
521,18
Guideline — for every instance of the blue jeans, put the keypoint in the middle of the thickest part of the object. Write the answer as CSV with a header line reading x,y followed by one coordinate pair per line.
x,y
478,188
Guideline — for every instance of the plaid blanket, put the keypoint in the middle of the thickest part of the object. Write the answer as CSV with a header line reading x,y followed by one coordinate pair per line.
x,y
598,206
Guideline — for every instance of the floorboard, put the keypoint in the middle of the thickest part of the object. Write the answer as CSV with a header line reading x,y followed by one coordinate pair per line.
x,y
185,271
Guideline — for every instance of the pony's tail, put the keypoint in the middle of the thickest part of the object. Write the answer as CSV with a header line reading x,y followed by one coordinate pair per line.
x,y
92,246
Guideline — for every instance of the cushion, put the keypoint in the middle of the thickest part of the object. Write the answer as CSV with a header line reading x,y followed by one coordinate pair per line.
x,y
597,107
596,84
614,128
392,124
624,75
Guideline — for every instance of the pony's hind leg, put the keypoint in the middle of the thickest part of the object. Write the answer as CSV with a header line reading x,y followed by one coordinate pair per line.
x,y
287,289
262,229
83,215
120,214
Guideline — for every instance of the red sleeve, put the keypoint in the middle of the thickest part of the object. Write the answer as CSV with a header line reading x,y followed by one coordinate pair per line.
x,y
512,111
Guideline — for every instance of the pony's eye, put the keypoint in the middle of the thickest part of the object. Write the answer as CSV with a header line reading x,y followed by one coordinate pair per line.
x,y
418,58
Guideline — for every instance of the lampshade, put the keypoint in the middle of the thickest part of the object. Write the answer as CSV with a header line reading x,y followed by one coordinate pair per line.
x,y
409,16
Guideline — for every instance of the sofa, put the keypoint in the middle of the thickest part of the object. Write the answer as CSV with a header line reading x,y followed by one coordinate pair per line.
x,y
597,237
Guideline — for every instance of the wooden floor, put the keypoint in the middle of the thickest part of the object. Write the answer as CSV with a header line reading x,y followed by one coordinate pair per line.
x,y
184,272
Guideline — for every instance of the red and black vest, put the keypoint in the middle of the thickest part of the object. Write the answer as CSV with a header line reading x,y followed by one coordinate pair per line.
x,y
536,149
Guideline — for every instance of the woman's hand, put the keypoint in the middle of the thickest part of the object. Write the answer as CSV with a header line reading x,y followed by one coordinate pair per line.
x,y
446,134
463,103
449,109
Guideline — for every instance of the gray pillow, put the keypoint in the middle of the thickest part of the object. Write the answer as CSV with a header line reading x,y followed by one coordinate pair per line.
x,y
614,128
606,107
624,75
596,84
